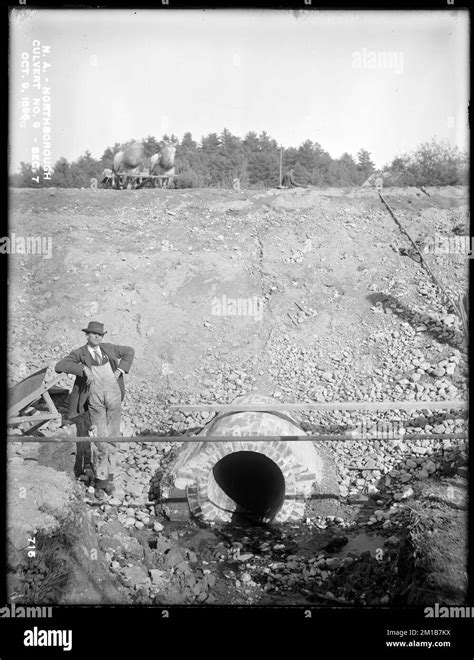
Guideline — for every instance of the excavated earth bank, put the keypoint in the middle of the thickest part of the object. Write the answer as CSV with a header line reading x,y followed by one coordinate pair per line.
x,y
334,310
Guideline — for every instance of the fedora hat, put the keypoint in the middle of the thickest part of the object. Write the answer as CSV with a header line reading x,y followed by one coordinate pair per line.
x,y
95,326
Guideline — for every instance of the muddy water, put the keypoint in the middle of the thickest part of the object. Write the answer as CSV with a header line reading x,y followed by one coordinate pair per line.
x,y
334,540
360,542
238,563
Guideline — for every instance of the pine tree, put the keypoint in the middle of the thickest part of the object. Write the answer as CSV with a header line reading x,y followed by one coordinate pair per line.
x,y
263,158
61,176
343,171
27,174
107,158
255,160
365,165
151,145
210,149
189,164
290,157
234,161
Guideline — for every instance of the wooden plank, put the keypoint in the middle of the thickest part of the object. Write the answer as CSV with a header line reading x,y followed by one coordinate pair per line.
x,y
32,418
59,390
29,393
233,438
323,406
50,404
23,391
35,427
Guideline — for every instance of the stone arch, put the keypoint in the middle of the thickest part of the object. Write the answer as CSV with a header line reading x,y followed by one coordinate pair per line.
x,y
304,469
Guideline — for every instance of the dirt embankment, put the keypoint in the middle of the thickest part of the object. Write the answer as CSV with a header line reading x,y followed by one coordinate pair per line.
x,y
150,263
337,311
52,541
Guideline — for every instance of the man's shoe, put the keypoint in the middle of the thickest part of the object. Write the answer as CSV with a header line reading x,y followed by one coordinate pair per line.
x,y
88,476
100,494
110,488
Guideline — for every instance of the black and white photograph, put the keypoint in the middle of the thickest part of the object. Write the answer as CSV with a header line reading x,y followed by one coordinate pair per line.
x,y
237,346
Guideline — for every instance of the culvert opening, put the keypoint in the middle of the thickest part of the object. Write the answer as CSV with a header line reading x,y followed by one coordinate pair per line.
x,y
253,481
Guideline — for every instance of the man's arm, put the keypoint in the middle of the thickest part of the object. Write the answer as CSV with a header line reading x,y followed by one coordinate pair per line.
x,y
125,354
71,364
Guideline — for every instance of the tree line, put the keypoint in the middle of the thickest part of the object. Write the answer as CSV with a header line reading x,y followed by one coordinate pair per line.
x,y
255,160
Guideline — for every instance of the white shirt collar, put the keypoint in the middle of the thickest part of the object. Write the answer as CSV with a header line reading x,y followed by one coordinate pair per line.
x,y
93,350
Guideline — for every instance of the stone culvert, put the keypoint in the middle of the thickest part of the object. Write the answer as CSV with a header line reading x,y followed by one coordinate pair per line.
x,y
265,480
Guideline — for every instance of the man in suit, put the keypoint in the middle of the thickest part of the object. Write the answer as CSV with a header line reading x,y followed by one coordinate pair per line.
x,y
99,389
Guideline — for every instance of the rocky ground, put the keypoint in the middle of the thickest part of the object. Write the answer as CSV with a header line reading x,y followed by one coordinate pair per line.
x,y
347,317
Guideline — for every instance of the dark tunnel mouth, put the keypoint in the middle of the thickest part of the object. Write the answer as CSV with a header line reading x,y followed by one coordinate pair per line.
x,y
253,481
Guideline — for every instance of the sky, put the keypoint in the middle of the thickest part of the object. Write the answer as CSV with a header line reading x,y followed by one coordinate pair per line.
x,y
384,81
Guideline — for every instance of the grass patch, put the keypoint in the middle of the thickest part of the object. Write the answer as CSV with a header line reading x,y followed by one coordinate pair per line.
x,y
434,556
44,578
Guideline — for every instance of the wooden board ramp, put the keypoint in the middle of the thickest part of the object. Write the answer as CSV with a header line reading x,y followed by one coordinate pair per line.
x,y
28,391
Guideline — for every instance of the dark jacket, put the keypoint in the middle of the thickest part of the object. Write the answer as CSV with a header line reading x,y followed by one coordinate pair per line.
x,y
119,356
